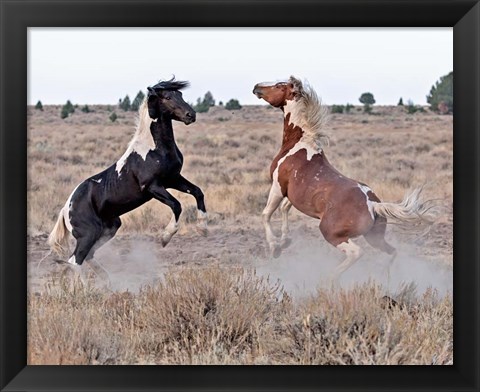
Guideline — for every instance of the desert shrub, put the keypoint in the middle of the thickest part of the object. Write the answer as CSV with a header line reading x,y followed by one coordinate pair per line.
x,y
195,310
39,106
233,104
86,109
137,101
367,109
337,108
348,107
441,95
67,109
220,315
412,108
113,117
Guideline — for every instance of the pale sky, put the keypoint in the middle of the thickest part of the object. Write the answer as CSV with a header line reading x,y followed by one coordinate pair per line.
x,y
101,65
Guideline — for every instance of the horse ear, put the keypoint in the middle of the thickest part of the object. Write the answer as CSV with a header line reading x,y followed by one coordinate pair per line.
x,y
152,105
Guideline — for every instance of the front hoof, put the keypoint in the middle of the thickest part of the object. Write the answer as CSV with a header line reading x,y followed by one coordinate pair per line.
x,y
286,243
202,230
164,240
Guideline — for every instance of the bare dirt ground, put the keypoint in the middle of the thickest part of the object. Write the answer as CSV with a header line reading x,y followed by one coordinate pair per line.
x,y
228,153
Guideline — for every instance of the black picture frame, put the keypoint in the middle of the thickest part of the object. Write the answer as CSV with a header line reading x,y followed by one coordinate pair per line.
x,y
17,15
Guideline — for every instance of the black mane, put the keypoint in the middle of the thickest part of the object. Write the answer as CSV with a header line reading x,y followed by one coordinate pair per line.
x,y
171,84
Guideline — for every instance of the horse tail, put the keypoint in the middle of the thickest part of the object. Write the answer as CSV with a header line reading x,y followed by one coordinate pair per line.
x,y
58,238
411,211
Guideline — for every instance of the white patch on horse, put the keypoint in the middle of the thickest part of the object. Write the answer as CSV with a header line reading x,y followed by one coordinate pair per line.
x,y
365,189
72,260
305,141
97,181
66,210
142,141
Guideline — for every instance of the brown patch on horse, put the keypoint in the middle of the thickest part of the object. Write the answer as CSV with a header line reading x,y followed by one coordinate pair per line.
x,y
291,136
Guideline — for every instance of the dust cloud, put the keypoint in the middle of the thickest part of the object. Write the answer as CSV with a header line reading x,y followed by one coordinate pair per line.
x,y
135,266
306,265
309,264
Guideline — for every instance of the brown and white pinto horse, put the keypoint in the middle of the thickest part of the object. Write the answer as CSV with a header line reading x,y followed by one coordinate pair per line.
x,y
303,177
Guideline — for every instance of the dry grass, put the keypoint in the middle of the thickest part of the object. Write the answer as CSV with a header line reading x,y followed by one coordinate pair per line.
x,y
225,314
228,155
232,316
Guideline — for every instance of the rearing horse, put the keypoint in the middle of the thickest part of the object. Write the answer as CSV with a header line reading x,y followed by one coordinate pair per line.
x,y
303,177
151,164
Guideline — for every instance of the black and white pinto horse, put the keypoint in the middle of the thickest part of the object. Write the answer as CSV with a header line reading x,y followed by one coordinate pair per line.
x,y
151,164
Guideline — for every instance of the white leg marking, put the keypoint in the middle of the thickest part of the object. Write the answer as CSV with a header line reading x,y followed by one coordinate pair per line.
x,y
274,199
169,231
285,208
72,261
352,251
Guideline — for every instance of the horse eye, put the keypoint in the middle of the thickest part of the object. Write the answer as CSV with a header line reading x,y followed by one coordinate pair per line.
x,y
168,98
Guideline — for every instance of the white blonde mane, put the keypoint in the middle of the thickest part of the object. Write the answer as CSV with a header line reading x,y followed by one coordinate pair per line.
x,y
309,114
142,141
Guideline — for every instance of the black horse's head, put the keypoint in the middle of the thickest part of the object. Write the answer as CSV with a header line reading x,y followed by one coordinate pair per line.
x,y
165,98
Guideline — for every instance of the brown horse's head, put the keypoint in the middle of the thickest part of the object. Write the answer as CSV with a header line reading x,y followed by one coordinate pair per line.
x,y
277,94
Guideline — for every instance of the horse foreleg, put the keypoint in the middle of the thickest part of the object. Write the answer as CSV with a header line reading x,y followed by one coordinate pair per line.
x,y
161,194
181,184
285,208
274,199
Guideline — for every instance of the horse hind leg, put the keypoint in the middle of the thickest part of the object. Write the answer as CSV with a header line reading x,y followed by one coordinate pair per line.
x,y
285,206
109,231
376,238
343,243
352,253
86,236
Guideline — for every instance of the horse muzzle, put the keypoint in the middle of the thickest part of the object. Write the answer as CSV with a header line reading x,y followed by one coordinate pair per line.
x,y
257,91
189,118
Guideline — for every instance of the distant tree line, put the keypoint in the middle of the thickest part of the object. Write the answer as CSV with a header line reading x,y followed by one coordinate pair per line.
x,y
440,99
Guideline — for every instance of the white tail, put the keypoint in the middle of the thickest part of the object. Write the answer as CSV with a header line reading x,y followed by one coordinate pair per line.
x,y
58,238
411,210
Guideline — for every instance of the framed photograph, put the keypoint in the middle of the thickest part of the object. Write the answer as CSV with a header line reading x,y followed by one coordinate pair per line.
x,y
98,98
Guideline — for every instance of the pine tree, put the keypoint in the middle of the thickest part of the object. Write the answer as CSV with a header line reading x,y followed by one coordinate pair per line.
x,y
441,95
137,101
125,104
67,109
39,106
